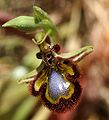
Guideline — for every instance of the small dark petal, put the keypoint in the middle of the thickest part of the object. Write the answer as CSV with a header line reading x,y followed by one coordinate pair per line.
x,y
39,55
56,48
49,55
64,104
66,61
50,61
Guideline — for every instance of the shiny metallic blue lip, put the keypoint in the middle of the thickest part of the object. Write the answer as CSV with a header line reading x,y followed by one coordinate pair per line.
x,y
57,85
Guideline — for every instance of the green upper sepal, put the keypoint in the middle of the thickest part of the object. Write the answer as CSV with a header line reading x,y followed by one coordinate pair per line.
x,y
77,55
42,18
39,14
44,22
23,23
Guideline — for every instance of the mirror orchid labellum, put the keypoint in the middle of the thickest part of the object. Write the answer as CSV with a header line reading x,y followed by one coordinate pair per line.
x,y
56,79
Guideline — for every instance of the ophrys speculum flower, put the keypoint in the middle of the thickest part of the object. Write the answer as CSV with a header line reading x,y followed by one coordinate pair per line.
x,y
56,80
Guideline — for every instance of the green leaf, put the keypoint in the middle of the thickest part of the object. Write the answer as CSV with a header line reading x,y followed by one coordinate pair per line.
x,y
23,23
77,55
39,14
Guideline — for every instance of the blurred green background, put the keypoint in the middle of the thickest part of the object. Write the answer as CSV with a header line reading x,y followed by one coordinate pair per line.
x,y
80,23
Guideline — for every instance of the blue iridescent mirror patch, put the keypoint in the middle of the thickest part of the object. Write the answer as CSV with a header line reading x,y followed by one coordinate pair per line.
x,y
57,85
